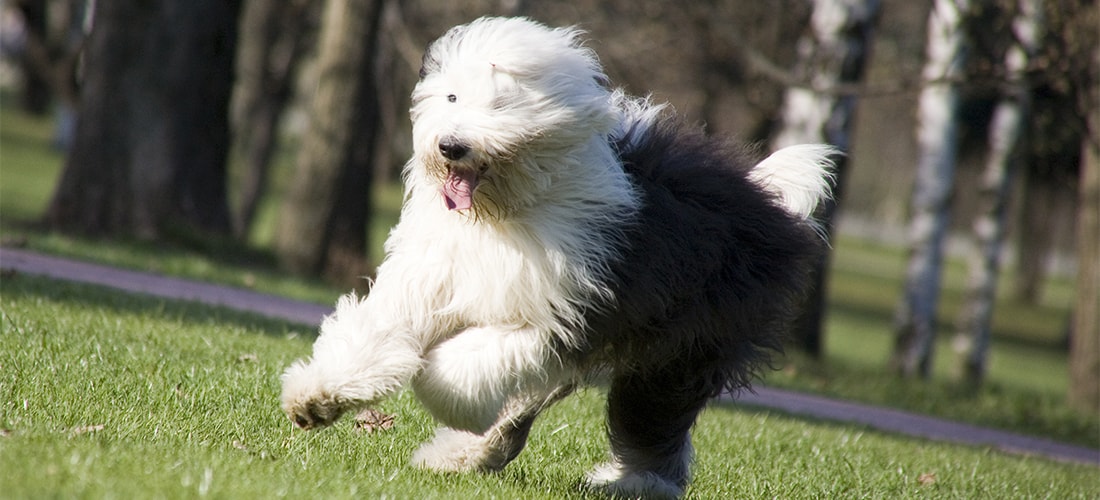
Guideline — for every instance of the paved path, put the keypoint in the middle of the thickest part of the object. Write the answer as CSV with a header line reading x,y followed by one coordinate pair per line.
x,y
816,407
162,286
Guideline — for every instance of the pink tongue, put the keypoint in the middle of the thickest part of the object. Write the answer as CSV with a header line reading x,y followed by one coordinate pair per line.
x,y
458,190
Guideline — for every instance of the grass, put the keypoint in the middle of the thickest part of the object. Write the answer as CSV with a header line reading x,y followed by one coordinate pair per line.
x,y
28,165
105,394
1027,376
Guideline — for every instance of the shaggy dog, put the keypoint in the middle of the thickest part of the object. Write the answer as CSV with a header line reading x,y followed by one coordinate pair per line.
x,y
556,233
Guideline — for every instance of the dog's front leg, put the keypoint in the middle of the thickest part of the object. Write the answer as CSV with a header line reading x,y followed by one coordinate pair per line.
x,y
362,355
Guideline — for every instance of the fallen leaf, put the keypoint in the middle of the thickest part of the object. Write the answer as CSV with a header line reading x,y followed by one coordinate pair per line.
x,y
239,445
372,420
5,432
926,478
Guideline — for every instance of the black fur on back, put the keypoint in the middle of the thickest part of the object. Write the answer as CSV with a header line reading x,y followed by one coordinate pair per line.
x,y
712,269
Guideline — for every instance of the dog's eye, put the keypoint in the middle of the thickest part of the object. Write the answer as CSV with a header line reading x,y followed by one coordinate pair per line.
x,y
451,98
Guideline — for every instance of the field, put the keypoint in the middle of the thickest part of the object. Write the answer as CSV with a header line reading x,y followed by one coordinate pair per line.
x,y
113,395
108,394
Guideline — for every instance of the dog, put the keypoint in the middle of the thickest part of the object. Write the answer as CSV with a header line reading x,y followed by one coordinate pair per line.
x,y
558,233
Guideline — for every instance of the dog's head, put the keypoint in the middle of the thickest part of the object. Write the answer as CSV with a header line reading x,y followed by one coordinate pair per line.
x,y
499,101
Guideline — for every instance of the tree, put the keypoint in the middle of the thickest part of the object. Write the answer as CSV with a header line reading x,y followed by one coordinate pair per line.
x,y
915,318
1084,357
54,36
35,60
1006,135
152,135
274,36
833,54
323,220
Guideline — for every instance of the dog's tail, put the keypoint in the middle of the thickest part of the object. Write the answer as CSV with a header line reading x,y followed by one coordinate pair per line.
x,y
800,176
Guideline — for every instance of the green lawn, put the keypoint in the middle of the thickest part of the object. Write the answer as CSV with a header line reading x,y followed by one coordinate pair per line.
x,y
104,394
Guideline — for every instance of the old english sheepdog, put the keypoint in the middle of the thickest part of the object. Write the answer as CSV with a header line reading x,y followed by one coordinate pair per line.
x,y
557,233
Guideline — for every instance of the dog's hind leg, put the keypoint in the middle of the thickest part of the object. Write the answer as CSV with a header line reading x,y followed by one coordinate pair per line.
x,y
466,380
650,416
458,451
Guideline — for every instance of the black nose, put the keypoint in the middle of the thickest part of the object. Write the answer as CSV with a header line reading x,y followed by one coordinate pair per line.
x,y
453,149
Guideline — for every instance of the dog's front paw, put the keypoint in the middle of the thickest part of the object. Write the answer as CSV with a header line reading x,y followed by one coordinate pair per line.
x,y
313,413
308,402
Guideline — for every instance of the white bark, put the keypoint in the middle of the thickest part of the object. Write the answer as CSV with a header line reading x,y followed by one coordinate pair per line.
x,y
834,54
1006,133
937,140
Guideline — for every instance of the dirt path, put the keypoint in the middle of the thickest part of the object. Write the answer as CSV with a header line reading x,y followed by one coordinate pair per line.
x,y
806,405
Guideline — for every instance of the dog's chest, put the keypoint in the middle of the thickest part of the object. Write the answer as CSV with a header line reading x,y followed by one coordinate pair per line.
x,y
480,275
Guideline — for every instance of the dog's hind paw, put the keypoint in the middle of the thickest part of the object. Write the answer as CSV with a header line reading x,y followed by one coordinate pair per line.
x,y
453,450
615,480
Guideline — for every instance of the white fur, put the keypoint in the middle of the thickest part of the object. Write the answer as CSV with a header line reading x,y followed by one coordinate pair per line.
x,y
468,305
452,450
636,115
467,379
799,175
621,480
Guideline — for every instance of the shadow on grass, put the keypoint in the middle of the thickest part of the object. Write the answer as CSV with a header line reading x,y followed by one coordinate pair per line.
x,y
97,297
995,405
1019,334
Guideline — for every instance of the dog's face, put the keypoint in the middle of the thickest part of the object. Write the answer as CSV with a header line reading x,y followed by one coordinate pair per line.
x,y
498,102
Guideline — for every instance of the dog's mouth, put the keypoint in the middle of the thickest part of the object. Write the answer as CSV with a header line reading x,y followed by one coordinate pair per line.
x,y
458,188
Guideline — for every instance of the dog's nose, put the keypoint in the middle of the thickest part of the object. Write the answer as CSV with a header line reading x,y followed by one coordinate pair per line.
x,y
453,149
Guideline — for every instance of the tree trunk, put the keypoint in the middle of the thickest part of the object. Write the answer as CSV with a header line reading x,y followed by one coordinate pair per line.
x,y
274,36
323,221
35,59
152,136
834,54
915,318
1033,237
1006,134
1084,353
53,40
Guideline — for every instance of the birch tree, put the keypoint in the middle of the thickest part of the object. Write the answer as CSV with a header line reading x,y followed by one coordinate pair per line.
x,y
832,55
1007,131
937,127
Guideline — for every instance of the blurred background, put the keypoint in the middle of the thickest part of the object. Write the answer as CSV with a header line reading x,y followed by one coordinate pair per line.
x,y
272,133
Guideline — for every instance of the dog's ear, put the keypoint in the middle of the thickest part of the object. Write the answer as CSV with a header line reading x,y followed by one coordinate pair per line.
x,y
428,63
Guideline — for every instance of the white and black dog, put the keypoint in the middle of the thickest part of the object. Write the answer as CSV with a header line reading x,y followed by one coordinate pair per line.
x,y
556,232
